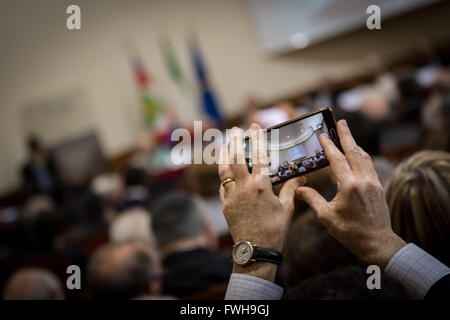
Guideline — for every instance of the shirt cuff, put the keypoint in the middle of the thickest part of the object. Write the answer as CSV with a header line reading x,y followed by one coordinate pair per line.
x,y
416,270
245,287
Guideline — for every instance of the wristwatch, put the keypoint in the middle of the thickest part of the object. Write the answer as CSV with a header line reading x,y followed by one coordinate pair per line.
x,y
244,252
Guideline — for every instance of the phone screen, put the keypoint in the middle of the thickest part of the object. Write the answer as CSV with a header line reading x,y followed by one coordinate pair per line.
x,y
294,148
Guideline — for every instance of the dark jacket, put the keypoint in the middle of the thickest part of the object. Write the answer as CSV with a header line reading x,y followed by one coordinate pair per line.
x,y
191,271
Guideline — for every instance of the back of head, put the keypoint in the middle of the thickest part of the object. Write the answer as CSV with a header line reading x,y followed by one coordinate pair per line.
x,y
134,176
310,250
349,283
123,271
34,143
132,224
176,217
418,197
33,284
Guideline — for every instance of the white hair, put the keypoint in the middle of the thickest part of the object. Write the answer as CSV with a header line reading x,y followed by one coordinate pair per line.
x,y
133,224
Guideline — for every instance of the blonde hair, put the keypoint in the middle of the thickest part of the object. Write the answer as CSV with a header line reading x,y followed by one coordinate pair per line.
x,y
418,197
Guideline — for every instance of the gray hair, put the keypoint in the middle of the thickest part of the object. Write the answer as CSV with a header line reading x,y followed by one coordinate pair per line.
x,y
132,224
177,216
33,284
122,271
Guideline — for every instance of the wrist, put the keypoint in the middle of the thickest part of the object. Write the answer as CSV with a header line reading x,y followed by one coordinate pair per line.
x,y
269,242
261,269
256,258
387,247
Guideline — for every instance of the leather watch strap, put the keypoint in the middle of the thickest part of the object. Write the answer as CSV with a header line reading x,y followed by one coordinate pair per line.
x,y
263,254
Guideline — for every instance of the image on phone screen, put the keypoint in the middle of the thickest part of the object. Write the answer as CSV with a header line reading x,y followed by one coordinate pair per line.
x,y
295,149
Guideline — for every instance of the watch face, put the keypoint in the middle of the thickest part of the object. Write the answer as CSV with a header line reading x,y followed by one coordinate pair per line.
x,y
242,252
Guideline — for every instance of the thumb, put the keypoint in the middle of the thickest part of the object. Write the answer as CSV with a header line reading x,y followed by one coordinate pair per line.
x,y
287,192
314,200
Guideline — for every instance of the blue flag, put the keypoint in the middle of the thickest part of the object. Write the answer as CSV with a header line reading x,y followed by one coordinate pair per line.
x,y
208,99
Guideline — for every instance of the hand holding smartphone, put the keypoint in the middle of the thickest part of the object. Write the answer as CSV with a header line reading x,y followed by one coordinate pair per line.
x,y
293,146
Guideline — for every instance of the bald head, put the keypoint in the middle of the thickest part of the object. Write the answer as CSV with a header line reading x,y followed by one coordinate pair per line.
x,y
33,284
123,271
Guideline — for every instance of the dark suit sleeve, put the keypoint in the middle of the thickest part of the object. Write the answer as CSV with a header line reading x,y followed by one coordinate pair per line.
x,y
440,290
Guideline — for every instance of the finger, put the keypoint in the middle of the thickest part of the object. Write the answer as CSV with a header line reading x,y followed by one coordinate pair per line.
x,y
260,160
224,167
338,162
363,159
222,194
287,192
353,152
237,155
315,201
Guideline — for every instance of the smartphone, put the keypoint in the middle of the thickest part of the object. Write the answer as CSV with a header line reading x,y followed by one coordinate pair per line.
x,y
293,146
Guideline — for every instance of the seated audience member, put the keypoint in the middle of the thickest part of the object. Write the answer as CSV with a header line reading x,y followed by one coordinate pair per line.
x,y
136,192
188,246
310,250
36,204
39,228
202,180
40,174
375,107
33,284
358,217
124,271
110,188
435,115
410,99
132,225
349,283
384,169
47,231
91,217
365,131
418,197
38,225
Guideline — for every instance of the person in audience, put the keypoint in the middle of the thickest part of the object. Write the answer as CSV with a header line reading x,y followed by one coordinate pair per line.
x,y
40,226
375,107
411,99
366,131
418,197
33,284
36,204
90,214
202,182
348,283
132,225
136,191
310,250
40,173
384,169
188,246
124,271
435,116
358,217
110,188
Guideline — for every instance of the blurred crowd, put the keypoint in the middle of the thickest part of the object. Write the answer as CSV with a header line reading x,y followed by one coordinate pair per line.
x,y
137,235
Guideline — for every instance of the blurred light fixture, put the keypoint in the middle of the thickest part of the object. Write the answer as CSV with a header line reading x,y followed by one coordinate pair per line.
x,y
299,40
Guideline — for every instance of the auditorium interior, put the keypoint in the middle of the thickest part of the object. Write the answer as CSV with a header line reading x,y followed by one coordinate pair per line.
x,y
86,115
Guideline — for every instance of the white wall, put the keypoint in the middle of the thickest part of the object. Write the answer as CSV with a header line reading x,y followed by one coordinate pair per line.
x,y
40,58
